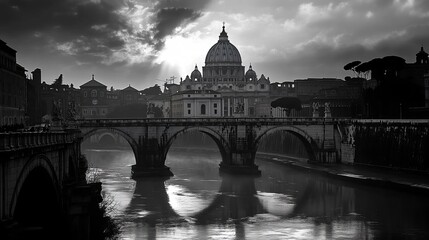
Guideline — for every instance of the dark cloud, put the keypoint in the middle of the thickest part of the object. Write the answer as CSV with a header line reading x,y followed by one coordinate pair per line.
x,y
93,29
170,18
86,27
318,59
170,14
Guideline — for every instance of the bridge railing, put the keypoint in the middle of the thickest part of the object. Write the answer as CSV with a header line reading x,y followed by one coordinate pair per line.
x,y
17,140
202,121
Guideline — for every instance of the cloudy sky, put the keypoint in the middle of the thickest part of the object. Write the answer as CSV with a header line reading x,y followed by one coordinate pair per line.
x,y
143,42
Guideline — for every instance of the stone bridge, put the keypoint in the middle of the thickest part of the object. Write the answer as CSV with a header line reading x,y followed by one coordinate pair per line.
x,y
43,190
236,138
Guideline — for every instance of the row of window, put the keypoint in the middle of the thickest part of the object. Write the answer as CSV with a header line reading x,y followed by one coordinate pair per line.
x,y
214,105
93,93
93,112
203,112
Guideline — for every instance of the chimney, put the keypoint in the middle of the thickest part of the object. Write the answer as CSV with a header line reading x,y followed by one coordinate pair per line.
x,y
37,75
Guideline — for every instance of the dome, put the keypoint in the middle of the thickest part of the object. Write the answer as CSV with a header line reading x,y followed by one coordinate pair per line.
x,y
250,74
223,52
196,74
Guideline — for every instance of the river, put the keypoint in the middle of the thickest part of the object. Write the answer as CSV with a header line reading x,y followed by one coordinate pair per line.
x,y
284,203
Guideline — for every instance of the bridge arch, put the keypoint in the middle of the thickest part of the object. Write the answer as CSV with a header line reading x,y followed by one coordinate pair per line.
x,y
214,135
110,136
126,136
42,166
309,143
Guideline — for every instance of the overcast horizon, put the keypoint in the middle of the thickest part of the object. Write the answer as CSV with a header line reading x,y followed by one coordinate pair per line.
x,y
143,42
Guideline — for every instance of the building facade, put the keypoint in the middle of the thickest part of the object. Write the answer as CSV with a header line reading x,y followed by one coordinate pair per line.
x,y
196,104
241,91
94,99
13,88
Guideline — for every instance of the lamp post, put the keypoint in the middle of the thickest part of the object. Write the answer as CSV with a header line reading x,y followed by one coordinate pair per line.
x,y
400,110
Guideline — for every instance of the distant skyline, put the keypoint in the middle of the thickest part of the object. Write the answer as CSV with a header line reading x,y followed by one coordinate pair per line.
x,y
144,42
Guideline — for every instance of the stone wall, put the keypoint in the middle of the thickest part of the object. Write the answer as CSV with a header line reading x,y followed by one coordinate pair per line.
x,y
402,145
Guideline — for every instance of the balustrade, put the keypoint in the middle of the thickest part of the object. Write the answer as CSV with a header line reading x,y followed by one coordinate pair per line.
x,y
19,140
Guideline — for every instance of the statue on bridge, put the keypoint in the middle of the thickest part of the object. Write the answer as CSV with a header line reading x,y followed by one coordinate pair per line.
x,y
71,111
327,110
316,109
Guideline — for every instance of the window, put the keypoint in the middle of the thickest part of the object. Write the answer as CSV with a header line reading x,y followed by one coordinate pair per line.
x,y
189,105
189,95
203,109
85,94
189,112
215,95
262,86
94,93
215,105
215,111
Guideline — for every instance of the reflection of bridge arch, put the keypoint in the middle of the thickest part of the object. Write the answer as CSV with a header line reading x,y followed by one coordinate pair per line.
x,y
131,141
37,162
107,135
306,139
150,193
237,199
215,136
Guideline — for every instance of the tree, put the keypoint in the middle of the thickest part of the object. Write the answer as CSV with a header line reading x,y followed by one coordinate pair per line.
x,y
287,103
363,69
351,66
392,65
155,90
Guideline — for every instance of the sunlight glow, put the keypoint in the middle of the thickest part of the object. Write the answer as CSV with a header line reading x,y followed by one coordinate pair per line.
x,y
181,53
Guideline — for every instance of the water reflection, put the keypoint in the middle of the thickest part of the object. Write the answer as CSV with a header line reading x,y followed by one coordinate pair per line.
x,y
150,203
284,203
236,200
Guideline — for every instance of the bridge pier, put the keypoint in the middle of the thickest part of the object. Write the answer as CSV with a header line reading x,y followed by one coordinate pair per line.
x,y
139,171
228,169
240,161
150,160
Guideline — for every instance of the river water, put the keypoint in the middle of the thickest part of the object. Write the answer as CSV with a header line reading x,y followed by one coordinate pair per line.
x,y
284,203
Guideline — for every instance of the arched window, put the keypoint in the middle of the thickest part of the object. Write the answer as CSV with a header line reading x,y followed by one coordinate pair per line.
x,y
94,93
203,109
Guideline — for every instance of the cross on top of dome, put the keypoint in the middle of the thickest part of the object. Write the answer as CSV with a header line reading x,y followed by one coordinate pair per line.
x,y
223,35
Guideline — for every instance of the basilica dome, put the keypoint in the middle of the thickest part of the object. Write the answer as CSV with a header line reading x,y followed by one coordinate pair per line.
x,y
196,74
250,74
223,52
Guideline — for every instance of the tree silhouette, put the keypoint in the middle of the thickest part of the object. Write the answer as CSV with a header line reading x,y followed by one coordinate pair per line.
x,y
351,66
393,95
155,90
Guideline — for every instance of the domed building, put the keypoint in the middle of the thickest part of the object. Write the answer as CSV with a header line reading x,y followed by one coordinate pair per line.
x,y
224,73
